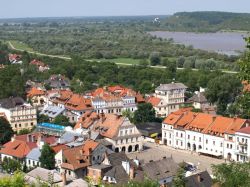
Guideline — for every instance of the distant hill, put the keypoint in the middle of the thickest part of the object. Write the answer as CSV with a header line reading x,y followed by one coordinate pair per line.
x,y
207,21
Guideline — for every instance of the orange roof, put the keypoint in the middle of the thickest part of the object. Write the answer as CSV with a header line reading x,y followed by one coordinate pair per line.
x,y
89,146
59,147
47,139
78,157
108,125
78,102
154,100
185,119
86,120
219,126
35,92
173,117
201,122
237,124
17,148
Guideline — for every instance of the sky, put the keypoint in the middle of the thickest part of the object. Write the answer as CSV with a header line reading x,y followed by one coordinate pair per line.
x,y
66,8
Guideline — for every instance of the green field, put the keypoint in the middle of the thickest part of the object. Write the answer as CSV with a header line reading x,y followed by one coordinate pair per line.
x,y
21,46
120,60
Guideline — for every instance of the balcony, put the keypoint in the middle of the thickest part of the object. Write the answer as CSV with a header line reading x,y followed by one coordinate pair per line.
x,y
242,152
243,143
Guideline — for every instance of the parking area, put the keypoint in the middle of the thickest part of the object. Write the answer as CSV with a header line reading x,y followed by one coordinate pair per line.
x,y
153,151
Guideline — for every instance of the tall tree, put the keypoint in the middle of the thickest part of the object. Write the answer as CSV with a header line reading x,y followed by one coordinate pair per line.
x,y
6,131
233,174
155,59
242,105
144,113
47,157
222,91
62,120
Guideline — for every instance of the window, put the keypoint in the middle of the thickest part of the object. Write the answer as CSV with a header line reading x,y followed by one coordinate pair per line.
x,y
177,134
20,125
181,135
213,142
176,142
188,136
206,141
199,139
221,144
231,146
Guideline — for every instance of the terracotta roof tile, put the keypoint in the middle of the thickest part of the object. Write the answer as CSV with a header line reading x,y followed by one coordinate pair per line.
x,y
173,117
86,120
154,101
59,147
201,122
35,92
17,148
245,130
78,157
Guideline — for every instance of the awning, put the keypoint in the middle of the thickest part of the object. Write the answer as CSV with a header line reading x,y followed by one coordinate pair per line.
x,y
209,153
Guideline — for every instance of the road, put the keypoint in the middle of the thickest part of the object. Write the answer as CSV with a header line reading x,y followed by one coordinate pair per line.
x,y
157,152
123,64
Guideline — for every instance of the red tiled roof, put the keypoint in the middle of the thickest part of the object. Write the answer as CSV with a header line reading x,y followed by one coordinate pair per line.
x,y
59,147
185,119
245,130
173,117
86,120
47,139
35,92
37,63
154,101
201,122
78,157
13,57
17,148
78,102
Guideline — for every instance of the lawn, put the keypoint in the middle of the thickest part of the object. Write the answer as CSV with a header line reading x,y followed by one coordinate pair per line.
x,y
21,45
120,60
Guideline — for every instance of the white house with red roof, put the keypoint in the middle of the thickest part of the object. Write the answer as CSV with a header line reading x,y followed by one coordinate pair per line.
x,y
40,65
168,98
115,99
15,59
202,133
242,145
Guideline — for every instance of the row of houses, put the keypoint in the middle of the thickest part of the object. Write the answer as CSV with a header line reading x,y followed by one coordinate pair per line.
x,y
207,134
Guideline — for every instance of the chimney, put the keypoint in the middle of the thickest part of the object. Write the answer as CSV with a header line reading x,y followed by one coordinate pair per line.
x,y
64,180
81,152
132,173
199,177
29,138
13,138
33,138
214,117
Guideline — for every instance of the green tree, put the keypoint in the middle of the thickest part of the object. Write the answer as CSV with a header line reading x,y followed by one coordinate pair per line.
x,y
232,174
11,165
24,131
179,179
6,131
144,113
155,59
222,91
242,105
47,158
17,180
41,118
62,120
